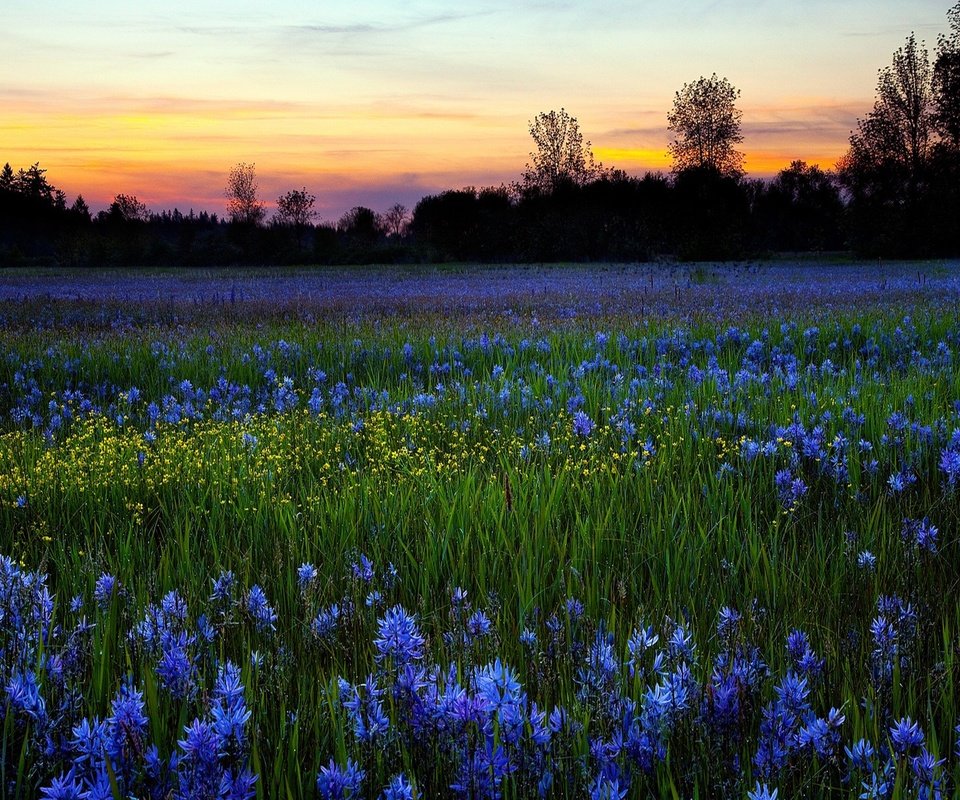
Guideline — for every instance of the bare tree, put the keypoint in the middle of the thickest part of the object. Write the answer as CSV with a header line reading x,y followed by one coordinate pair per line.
x,y
561,155
241,193
395,219
705,123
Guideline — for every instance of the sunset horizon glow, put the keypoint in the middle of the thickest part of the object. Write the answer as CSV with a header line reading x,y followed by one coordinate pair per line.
x,y
375,105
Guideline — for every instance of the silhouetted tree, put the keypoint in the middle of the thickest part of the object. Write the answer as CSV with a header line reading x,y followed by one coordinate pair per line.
x,y
395,219
80,209
946,81
886,167
705,123
127,208
711,214
360,222
561,156
801,210
295,208
242,204
7,178
295,211
33,183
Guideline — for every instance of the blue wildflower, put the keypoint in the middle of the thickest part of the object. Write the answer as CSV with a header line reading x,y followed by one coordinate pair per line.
x,y
398,638
259,609
582,425
906,736
340,783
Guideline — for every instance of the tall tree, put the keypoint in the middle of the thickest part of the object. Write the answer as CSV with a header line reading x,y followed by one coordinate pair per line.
x,y
886,170
898,132
80,209
33,183
561,155
243,206
946,80
7,178
705,123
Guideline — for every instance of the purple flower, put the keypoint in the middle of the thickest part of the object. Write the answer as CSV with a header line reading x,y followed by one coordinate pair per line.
x,y
582,425
950,465
762,792
398,638
397,789
906,736
340,783
104,590
306,575
259,609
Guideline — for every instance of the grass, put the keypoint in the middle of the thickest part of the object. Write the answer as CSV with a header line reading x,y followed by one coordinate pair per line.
x,y
669,522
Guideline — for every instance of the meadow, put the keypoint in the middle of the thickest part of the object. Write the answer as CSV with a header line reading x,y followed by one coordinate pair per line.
x,y
661,530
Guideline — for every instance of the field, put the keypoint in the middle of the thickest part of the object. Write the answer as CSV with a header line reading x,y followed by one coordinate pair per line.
x,y
660,530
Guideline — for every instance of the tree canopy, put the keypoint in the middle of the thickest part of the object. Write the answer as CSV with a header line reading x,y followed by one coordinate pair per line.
x,y
561,156
243,206
705,123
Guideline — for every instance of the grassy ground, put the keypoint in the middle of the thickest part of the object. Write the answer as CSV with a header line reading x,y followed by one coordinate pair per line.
x,y
653,471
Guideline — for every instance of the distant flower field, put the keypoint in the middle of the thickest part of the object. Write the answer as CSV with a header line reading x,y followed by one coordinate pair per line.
x,y
620,541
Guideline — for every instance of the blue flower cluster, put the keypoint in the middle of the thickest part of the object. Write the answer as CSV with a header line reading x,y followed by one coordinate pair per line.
x,y
466,727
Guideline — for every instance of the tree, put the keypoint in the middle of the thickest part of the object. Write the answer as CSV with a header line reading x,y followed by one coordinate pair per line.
x,y
561,155
80,209
33,183
242,204
127,208
7,178
946,81
898,132
705,123
801,210
295,208
360,223
887,169
395,219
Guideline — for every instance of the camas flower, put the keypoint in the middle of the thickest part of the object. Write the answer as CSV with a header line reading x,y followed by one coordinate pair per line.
x,y
398,638
259,609
582,425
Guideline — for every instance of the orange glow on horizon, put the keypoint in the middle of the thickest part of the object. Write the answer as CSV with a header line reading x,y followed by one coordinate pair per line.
x,y
177,152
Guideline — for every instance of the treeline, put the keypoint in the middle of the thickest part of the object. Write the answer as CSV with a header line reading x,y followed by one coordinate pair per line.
x,y
696,214
895,193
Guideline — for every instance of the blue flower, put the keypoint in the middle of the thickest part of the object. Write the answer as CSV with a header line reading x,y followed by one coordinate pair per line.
x,y
259,609
306,575
397,789
340,783
398,638
66,787
478,625
762,792
223,588
582,425
363,569
104,590
950,465
906,736
866,561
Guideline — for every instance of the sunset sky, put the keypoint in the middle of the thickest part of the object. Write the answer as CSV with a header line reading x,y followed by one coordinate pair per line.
x,y
372,103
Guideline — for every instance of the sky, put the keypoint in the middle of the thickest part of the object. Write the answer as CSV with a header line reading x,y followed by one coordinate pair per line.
x,y
374,103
